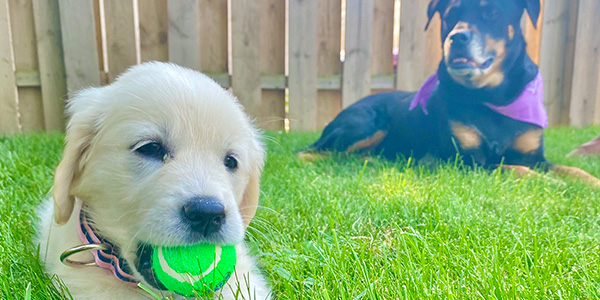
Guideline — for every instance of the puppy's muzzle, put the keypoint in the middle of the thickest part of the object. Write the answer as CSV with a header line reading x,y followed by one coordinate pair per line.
x,y
205,215
461,38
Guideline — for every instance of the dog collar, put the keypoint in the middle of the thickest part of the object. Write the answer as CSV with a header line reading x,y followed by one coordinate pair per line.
x,y
106,254
528,107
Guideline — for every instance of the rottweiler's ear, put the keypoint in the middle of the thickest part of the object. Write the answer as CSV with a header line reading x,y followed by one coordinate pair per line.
x,y
435,6
533,10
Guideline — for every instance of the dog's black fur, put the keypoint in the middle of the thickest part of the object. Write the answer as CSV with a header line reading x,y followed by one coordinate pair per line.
x,y
458,121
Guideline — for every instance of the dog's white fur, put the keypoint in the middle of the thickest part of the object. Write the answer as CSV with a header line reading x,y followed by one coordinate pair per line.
x,y
132,199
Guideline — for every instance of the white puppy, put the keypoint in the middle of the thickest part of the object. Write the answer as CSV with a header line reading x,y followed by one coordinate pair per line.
x,y
162,156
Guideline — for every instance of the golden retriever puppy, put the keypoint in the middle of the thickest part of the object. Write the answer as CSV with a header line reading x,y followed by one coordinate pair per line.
x,y
162,156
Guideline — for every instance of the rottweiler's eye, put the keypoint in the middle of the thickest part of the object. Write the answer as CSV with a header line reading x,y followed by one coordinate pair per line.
x,y
230,162
152,150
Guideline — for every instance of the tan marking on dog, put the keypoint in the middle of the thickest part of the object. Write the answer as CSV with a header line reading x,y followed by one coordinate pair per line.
x,y
468,137
368,142
528,142
459,27
495,76
578,173
521,171
511,32
311,156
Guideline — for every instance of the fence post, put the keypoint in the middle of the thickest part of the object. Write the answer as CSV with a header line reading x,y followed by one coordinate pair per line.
x,y
51,64
585,102
556,58
9,122
356,80
303,64
411,66
184,33
121,46
79,44
154,30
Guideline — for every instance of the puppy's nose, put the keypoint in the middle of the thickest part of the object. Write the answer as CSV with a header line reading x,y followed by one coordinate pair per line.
x,y
462,37
204,214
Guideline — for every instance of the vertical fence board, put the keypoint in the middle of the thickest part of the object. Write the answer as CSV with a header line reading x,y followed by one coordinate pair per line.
x,y
9,122
556,60
356,81
272,60
303,64
184,33
213,36
382,58
433,46
329,34
154,30
79,44
245,35
411,72
584,93
99,39
120,36
50,57
23,38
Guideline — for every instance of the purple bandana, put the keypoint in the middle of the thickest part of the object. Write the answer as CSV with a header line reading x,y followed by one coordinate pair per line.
x,y
528,107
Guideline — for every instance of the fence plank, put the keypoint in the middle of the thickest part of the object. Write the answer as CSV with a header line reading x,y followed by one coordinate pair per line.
x,y
79,44
584,93
272,60
98,19
50,57
357,65
9,121
303,64
120,36
184,33
382,58
411,71
213,36
154,30
329,34
25,55
556,61
245,35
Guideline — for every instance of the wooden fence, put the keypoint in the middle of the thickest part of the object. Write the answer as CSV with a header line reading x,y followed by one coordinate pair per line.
x,y
281,58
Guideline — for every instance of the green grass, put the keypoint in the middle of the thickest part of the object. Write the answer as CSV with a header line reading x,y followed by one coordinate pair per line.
x,y
341,229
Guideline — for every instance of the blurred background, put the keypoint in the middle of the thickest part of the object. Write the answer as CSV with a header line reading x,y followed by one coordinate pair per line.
x,y
293,64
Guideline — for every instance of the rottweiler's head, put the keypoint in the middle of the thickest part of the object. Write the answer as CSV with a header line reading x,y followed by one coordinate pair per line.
x,y
482,38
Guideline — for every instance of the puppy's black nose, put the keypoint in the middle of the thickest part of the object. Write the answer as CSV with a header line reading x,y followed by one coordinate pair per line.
x,y
204,214
462,37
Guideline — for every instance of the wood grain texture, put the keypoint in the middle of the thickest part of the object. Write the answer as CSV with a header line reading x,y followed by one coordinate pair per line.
x,y
245,35
303,64
99,39
382,60
25,55
556,59
79,44
154,30
184,33
411,71
585,94
329,34
357,65
51,65
272,61
9,121
121,45
213,35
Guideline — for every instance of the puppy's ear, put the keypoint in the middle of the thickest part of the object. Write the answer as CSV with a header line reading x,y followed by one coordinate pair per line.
x,y
249,203
435,6
80,132
533,10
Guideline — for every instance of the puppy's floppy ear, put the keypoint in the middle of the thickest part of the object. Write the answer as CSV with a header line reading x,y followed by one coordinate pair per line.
x,y
533,8
435,6
249,203
80,132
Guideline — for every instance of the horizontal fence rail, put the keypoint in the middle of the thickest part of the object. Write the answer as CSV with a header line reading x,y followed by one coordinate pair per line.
x,y
293,63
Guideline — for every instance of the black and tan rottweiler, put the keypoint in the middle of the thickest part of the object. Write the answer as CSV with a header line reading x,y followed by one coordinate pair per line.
x,y
485,102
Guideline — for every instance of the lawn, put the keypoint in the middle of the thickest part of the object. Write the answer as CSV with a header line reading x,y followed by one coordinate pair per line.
x,y
340,228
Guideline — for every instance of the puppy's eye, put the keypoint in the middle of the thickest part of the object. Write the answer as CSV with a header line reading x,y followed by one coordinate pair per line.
x,y
230,163
153,150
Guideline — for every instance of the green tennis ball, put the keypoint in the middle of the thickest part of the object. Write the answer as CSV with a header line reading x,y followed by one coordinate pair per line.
x,y
198,269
